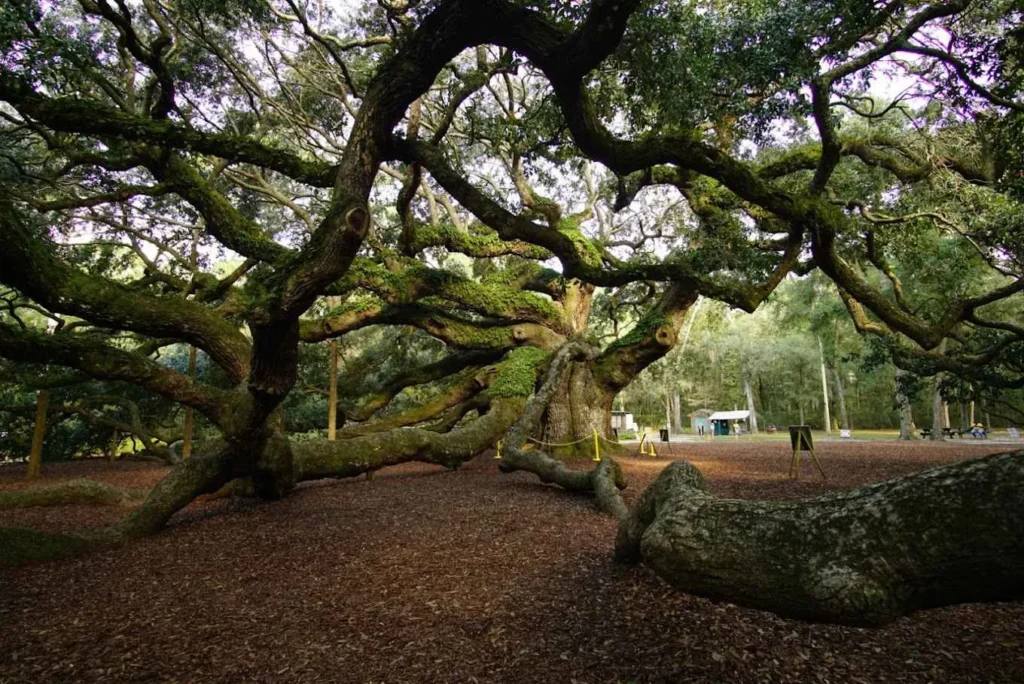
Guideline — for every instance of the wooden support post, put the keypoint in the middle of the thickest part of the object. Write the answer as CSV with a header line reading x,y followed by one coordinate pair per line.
x,y
35,456
332,394
190,417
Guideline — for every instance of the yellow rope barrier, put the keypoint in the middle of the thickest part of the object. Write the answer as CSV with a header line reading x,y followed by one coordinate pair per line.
x,y
558,444
596,436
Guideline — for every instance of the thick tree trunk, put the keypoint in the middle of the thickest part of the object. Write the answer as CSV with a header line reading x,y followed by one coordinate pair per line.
x,y
905,410
863,557
115,446
578,407
749,392
332,393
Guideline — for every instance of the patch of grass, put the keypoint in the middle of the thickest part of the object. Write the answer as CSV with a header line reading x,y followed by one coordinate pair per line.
x,y
19,546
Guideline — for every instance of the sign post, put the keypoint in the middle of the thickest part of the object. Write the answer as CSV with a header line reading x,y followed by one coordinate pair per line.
x,y
800,439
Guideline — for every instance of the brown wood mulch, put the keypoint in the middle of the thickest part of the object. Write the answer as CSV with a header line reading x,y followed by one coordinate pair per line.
x,y
421,575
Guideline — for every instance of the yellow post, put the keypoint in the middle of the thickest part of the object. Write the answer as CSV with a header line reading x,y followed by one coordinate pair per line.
x,y
597,449
497,451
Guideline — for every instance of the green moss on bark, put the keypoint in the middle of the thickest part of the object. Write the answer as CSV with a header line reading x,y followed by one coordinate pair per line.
x,y
517,375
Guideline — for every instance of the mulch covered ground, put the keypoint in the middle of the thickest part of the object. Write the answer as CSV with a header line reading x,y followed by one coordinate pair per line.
x,y
421,575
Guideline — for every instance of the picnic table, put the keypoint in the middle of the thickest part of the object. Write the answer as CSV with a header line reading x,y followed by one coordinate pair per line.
x,y
926,433
951,432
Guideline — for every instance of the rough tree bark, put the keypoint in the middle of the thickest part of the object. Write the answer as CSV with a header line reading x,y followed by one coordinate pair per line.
x,y
579,406
862,557
332,393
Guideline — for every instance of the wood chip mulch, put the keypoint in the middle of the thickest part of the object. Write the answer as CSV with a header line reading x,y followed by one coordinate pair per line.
x,y
421,575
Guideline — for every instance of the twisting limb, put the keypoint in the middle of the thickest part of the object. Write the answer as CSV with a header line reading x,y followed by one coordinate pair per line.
x,y
419,376
462,387
604,480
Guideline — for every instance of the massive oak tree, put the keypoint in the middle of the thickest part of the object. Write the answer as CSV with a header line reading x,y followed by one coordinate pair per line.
x,y
531,184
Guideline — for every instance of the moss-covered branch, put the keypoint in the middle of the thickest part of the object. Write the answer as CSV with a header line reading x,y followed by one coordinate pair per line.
x,y
352,457
460,389
76,115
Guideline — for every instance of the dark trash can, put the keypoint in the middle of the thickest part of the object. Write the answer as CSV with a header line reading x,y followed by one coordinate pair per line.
x,y
664,434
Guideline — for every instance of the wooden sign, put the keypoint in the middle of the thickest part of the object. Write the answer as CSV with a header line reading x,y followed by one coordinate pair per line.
x,y
801,440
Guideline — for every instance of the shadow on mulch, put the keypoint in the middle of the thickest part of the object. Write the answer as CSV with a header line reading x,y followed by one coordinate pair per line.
x,y
421,575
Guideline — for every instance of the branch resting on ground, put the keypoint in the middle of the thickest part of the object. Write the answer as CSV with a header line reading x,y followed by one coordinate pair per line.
x,y
948,535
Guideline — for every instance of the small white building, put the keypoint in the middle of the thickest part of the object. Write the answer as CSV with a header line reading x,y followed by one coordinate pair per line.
x,y
623,421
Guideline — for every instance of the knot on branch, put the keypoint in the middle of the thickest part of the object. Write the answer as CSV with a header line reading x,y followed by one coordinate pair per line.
x,y
357,221
665,335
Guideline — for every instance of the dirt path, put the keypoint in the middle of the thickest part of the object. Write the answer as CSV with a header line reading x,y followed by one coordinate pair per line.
x,y
426,576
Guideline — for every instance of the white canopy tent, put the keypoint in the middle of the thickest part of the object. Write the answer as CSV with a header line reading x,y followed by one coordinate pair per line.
x,y
722,420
